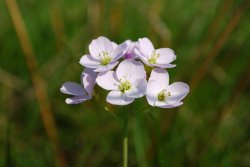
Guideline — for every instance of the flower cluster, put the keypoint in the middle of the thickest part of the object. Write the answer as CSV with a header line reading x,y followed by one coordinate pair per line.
x,y
128,80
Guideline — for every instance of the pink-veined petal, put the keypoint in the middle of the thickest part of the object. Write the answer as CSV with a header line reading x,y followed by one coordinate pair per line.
x,y
72,88
108,67
161,76
146,46
77,99
89,62
138,89
178,91
118,98
107,80
89,80
131,70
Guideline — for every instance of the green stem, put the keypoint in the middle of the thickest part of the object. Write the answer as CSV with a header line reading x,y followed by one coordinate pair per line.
x,y
125,138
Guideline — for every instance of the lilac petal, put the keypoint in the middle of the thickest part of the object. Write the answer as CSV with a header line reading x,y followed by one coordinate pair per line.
x,y
138,89
77,99
72,88
167,105
89,80
108,67
99,45
131,70
146,46
118,98
166,55
107,80
143,58
178,91
89,61
161,77
165,65
119,51
105,44
114,45
152,92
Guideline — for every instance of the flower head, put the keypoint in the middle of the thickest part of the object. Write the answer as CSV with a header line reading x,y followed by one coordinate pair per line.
x,y
160,93
126,83
81,92
103,54
155,57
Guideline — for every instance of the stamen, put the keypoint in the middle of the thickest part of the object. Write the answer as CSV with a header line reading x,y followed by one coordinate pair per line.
x,y
163,95
153,58
105,58
124,85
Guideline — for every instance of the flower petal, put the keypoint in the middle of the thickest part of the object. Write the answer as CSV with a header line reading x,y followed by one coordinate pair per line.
x,y
99,45
167,105
146,46
89,62
152,92
77,99
118,98
89,80
107,80
161,77
166,55
119,51
72,88
138,89
178,91
131,70
108,67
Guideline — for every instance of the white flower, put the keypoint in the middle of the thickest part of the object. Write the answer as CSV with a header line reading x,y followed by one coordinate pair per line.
x,y
103,54
160,93
126,83
155,57
81,92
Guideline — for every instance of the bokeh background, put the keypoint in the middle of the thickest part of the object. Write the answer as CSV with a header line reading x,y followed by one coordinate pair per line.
x,y
41,43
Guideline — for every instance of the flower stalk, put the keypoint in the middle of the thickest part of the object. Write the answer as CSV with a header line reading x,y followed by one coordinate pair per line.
x,y
125,137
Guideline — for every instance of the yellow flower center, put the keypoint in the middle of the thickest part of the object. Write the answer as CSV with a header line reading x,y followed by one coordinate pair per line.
x,y
153,58
105,58
163,95
124,86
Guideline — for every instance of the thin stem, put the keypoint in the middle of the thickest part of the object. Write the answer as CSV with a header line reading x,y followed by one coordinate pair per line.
x,y
125,137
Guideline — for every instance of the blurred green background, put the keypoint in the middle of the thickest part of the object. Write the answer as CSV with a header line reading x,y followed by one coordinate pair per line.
x,y
41,43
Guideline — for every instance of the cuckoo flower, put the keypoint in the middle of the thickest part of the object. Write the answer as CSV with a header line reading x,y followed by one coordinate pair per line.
x,y
126,83
160,93
104,54
155,57
130,51
81,92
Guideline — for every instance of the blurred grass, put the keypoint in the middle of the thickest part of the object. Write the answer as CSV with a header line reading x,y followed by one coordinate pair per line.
x,y
211,40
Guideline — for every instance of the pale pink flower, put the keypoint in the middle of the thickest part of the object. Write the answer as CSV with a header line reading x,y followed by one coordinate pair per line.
x,y
159,93
155,57
104,54
126,83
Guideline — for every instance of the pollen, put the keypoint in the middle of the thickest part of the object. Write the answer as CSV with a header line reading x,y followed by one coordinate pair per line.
x,y
163,95
105,58
153,58
124,86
